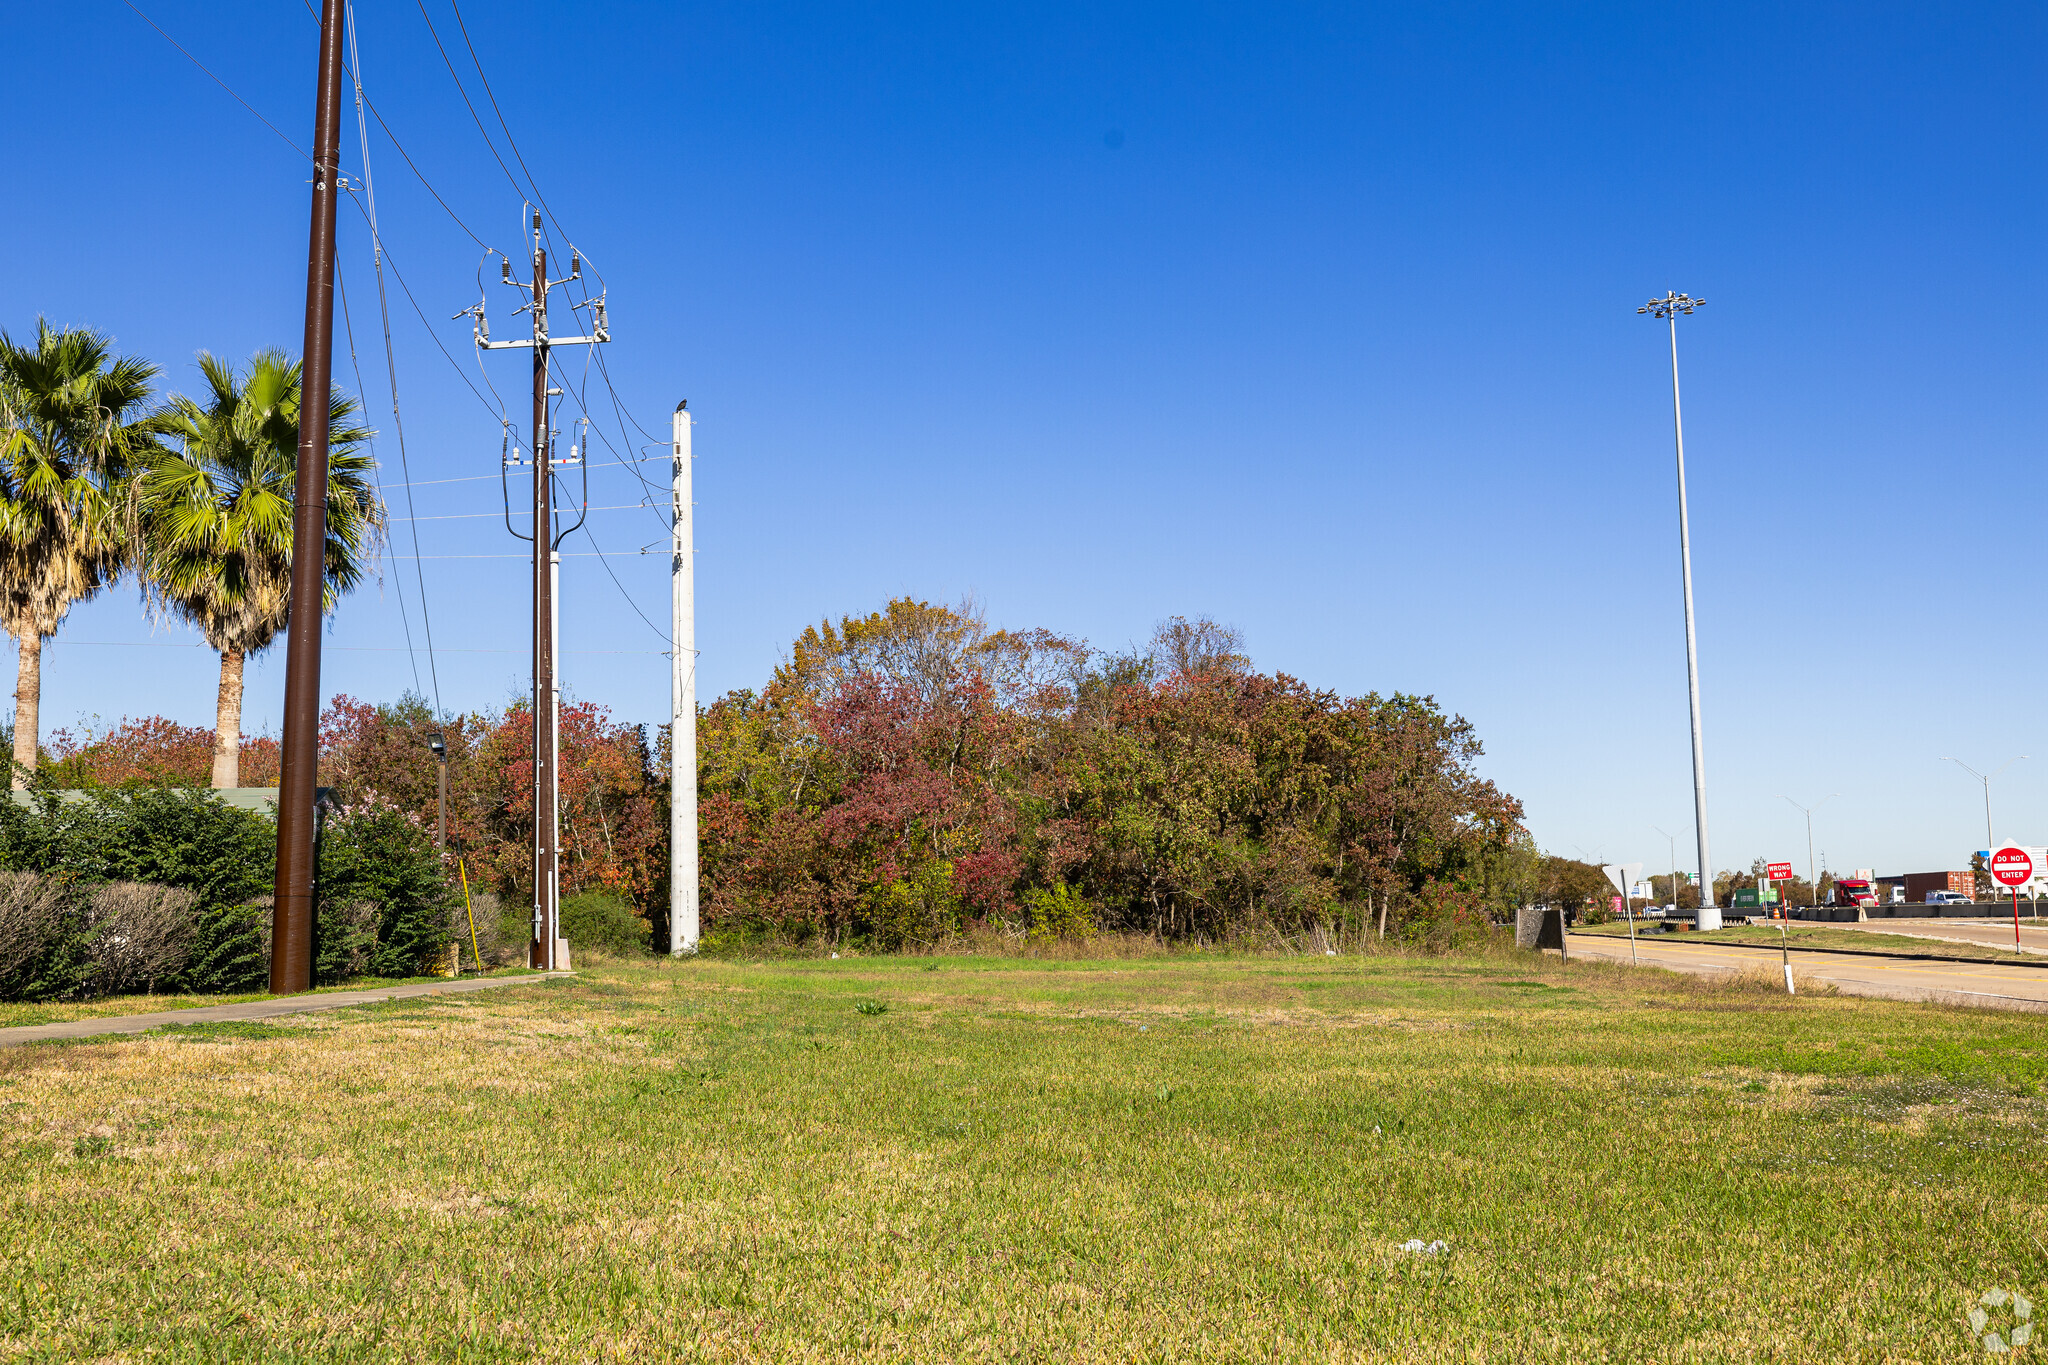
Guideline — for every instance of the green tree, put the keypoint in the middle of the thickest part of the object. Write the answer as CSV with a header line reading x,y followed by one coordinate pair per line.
x,y
73,426
216,518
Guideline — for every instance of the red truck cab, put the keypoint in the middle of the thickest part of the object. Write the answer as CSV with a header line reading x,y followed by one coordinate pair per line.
x,y
1854,891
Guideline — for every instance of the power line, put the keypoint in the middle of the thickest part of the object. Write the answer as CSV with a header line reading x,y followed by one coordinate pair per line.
x,y
473,478
464,92
398,584
473,516
606,561
217,80
345,649
390,361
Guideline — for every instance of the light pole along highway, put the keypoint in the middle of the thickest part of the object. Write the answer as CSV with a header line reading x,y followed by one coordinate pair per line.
x,y
1667,310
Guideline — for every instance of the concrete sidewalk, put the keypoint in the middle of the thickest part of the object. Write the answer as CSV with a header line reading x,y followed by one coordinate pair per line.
x,y
259,1009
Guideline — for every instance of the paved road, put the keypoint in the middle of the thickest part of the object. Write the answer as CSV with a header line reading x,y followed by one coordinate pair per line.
x,y
1970,983
256,1009
2033,935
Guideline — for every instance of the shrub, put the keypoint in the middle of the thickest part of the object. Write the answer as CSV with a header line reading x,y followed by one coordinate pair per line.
x,y
1061,912
44,950
139,936
187,839
385,903
595,921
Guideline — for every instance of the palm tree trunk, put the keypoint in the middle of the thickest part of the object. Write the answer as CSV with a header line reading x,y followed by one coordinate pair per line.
x,y
227,722
28,703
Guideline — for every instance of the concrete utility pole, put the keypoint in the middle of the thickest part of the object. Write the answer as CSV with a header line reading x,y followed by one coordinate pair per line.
x,y
545,951
1667,309
682,806
291,916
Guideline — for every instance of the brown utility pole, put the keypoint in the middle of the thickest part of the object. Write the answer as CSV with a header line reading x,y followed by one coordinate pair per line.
x,y
291,936
546,881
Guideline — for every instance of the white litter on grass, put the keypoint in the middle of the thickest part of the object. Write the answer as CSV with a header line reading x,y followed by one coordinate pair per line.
x,y
1329,952
835,957
1417,1245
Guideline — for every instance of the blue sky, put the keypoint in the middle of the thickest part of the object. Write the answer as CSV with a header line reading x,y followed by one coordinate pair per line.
x,y
1320,320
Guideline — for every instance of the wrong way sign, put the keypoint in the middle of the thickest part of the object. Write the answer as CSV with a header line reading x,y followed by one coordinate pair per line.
x,y
1780,872
2012,866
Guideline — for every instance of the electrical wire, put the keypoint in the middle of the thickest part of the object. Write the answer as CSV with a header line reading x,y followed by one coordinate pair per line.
x,y
474,478
473,516
398,583
390,360
605,560
464,92
217,80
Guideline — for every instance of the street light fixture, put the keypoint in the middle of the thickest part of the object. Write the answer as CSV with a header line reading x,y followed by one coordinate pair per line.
x,y
1812,877
1667,310
1985,778
439,745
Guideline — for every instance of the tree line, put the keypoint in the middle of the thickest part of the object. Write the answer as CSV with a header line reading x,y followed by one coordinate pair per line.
x,y
911,775
192,496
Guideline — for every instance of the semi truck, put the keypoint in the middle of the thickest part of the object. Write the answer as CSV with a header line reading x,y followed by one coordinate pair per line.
x,y
1855,891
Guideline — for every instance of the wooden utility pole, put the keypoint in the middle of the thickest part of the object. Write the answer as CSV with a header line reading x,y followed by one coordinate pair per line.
x,y
546,789
291,938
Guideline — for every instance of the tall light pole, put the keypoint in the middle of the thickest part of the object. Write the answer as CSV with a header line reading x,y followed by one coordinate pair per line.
x,y
1985,778
1812,878
1672,840
1667,309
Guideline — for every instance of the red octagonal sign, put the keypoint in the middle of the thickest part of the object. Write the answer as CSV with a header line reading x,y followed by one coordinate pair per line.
x,y
2012,866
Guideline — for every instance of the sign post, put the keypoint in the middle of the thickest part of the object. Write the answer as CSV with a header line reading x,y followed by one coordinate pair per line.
x,y
1621,874
1775,873
2012,866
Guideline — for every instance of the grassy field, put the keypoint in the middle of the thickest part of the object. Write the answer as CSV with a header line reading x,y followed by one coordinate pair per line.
x,y
1822,936
980,1159
16,1015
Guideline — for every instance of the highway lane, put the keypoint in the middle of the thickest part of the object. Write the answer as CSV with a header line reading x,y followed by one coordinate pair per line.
x,y
1990,933
1970,983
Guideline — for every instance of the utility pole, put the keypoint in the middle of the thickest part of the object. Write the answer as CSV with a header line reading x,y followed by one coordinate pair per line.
x,y
1812,875
545,949
291,916
1667,309
682,735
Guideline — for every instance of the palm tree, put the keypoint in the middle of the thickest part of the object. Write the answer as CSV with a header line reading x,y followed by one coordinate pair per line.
x,y
72,429
216,518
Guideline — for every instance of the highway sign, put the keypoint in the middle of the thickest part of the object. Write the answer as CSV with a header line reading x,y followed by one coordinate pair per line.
x,y
1619,875
1780,872
2012,866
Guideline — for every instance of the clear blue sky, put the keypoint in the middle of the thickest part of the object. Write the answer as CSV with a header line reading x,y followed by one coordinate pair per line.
x,y
1320,320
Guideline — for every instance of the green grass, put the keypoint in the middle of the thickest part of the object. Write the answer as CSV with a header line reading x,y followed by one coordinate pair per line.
x,y
1149,1160
1819,936
111,1006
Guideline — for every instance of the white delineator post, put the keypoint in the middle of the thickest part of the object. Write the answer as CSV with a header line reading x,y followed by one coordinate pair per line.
x,y
682,819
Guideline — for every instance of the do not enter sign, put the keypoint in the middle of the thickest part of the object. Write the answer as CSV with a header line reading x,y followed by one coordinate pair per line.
x,y
2012,866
